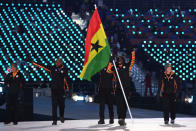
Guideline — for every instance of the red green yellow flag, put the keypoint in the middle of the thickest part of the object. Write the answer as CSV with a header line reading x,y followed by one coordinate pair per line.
x,y
97,49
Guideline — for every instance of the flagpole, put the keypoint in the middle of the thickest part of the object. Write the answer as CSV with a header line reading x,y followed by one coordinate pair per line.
x,y
121,84
122,90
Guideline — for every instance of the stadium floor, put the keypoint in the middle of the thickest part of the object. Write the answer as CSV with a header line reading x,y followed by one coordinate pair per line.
x,y
139,124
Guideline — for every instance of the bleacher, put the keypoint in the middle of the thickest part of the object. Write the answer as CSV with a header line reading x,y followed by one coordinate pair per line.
x,y
166,35
43,32
40,33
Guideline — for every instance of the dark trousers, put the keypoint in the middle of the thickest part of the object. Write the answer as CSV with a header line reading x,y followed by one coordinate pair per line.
x,y
121,105
11,109
106,98
169,107
58,100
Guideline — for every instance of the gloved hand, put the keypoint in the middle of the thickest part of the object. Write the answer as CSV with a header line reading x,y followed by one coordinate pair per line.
x,y
111,59
129,95
19,99
159,97
112,93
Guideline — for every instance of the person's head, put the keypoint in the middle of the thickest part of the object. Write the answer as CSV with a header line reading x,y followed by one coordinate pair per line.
x,y
168,68
14,67
120,60
59,62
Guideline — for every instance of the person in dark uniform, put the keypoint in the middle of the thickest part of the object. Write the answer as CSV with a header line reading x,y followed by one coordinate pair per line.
x,y
124,72
14,83
168,91
58,88
106,94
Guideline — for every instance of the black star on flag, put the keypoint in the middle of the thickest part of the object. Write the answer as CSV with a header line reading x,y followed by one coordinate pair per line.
x,y
96,46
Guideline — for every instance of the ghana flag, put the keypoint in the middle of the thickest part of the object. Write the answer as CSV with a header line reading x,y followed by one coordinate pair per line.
x,y
97,49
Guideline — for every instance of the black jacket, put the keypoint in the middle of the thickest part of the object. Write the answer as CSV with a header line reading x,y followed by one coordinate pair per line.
x,y
168,84
58,75
105,81
14,85
124,77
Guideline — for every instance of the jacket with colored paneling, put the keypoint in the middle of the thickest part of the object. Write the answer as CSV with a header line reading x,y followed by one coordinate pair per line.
x,y
105,81
168,83
58,75
124,74
14,84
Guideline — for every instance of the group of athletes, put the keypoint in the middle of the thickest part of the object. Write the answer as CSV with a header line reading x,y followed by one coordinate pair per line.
x,y
109,88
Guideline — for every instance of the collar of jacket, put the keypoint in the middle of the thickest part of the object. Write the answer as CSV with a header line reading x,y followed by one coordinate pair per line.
x,y
170,75
14,73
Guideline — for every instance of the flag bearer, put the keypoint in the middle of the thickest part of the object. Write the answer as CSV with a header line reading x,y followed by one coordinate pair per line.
x,y
124,72
106,94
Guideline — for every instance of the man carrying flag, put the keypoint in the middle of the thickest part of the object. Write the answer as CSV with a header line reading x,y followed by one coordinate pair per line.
x,y
106,93
97,50
97,55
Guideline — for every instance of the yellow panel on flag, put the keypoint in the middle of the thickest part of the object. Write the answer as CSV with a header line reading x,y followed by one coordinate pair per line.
x,y
99,51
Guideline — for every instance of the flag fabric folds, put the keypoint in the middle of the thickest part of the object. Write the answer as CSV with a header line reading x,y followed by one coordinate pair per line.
x,y
97,49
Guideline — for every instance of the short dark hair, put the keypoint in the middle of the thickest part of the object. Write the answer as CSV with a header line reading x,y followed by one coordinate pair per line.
x,y
14,65
60,60
167,65
121,57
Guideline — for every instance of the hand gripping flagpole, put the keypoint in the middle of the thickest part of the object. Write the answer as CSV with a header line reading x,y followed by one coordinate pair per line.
x,y
123,91
121,85
95,6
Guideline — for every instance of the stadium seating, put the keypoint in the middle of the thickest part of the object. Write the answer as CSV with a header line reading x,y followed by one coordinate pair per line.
x,y
166,35
40,33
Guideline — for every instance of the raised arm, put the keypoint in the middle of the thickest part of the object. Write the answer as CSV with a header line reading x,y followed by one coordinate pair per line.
x,y
131,63
41,66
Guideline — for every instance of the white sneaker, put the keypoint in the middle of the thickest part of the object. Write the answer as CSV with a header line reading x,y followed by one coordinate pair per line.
x,y
172,121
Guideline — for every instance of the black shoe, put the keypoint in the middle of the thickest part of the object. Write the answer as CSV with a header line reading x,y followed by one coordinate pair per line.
x,y
101,122
7,123
54,123
121,122
111,121
166,122
172,121
62,119
15,123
